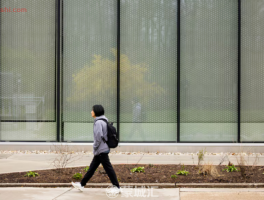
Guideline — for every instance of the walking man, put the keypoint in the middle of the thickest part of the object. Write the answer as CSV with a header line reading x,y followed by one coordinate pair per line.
x,y
100,150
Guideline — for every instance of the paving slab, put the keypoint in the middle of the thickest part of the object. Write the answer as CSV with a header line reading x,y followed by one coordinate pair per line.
x,y
21,163
88,193
5,156
132,193
125,159
221,189
34,157
151,159
221,195
30,193
8,166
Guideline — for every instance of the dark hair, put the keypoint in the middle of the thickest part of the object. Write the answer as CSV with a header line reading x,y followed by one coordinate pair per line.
x,y
98,110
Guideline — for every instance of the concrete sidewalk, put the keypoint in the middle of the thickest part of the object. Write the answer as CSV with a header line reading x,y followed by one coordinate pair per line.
x,y
28,162
101,194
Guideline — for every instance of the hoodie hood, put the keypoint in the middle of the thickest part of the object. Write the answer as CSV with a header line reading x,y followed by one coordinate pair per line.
x,y
100,117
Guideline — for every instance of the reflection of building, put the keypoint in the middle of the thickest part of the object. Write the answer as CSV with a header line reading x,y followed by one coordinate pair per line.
x,y
16,105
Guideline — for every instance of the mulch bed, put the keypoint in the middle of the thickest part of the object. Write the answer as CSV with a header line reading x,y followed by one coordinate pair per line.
x,y
152,174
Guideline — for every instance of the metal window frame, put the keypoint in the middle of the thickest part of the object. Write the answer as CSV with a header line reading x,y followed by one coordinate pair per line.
x,y
58,67
239,73
178,21
118,67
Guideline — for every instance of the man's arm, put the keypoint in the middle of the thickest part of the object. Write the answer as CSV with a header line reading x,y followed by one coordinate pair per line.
x,y
97,135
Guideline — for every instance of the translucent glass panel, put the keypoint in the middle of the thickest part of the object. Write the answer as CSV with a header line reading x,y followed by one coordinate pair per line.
x,y
148,70
27,74
89,65
209,70
252,71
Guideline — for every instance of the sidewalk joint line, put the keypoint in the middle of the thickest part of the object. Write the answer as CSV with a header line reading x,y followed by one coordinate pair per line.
x,y
63,193
10,155
140,159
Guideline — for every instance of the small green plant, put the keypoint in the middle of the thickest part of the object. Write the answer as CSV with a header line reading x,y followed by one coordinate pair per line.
x,y
173,176
77,176
182,172
87,168
138,169
30,173
230,168
150,165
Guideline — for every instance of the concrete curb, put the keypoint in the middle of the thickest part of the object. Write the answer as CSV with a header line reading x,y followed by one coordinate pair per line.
x,y
133,185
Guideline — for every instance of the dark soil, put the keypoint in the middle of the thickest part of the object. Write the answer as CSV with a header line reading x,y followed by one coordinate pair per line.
x,y
152,174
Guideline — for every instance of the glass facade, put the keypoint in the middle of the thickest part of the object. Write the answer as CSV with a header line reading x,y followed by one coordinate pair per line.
x,y
148,70
164,70
89,69
252,70
28,71
209,53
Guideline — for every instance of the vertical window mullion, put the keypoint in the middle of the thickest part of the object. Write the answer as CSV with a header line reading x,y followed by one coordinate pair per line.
x,y
118,68
178,69
58,26
239,68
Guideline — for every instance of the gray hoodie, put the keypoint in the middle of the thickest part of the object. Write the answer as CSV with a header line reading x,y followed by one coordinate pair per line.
x,y
100,129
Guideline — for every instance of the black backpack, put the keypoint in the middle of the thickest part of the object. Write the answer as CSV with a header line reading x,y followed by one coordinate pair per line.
x,y
112,135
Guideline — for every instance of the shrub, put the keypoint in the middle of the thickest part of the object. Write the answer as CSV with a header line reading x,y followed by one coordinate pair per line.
x,y
201,156
241,162
208,169
65,156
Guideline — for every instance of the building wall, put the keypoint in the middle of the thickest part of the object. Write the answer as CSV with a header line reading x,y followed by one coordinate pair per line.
x,y
165,71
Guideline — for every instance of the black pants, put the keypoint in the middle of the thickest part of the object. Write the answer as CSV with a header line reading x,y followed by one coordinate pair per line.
x,y
104,159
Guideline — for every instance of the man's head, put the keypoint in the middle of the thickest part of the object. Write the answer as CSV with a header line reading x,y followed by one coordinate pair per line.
x,y
97,111
135,100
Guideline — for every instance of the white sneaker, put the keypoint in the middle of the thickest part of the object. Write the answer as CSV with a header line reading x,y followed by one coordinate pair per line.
x,y
77,185
118,190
